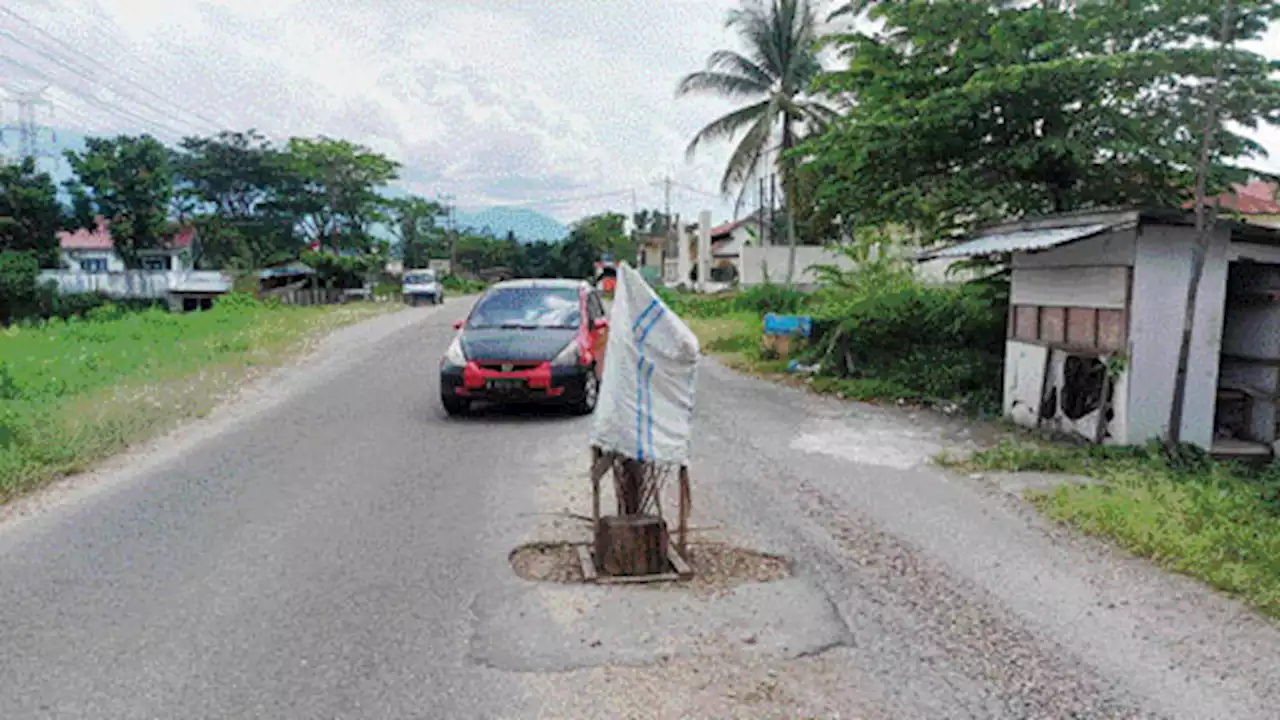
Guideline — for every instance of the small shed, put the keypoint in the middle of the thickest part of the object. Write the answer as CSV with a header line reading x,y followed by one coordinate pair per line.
x,y
1097,307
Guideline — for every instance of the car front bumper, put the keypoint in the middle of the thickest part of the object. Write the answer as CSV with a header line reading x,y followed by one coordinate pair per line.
x,y
543,384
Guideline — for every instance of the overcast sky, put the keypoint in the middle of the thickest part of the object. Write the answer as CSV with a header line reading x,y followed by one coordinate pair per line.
x,y
494,101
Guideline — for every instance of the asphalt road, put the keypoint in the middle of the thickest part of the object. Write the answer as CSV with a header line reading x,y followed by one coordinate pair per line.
x,y
333,547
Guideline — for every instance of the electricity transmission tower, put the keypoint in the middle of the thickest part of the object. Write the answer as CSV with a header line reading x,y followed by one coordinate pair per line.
x,y
26,128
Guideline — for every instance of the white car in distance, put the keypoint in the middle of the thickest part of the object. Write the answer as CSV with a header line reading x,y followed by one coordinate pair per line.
x,y
422,286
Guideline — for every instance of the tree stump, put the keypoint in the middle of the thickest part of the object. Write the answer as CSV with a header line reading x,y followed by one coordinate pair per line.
x,y
630,545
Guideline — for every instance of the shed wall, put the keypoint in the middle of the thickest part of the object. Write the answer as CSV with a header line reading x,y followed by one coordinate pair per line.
x,y
1162,271
1094,287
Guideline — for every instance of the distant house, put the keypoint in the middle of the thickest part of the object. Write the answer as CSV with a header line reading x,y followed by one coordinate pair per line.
x,y
90,264
93,251
1254,203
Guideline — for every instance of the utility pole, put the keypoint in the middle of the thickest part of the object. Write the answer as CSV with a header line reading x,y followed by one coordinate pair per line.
x,y
760,198
666,191
773,201
447,200
27,127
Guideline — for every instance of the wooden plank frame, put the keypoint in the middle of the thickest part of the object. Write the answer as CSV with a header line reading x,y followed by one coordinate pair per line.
x,y
601,463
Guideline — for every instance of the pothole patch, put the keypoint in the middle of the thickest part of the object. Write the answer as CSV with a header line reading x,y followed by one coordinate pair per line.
x,y
715,565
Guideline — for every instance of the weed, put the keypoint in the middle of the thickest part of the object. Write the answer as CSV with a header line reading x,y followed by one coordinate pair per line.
x,y
1219,522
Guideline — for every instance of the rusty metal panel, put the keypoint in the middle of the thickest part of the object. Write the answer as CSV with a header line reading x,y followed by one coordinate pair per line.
x,y
1112,330
1082,327
1053,324
1026,321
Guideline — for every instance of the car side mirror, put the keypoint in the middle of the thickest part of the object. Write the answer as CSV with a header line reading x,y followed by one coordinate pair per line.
x,y
457,324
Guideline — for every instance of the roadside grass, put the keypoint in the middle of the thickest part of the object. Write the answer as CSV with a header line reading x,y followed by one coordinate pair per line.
x,y
734,337
1218,522
75,392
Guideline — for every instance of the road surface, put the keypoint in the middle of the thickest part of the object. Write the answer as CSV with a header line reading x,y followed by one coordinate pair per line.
x,y
332,547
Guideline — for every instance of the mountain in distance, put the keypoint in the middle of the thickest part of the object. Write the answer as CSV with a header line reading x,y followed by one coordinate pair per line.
x,y
528,225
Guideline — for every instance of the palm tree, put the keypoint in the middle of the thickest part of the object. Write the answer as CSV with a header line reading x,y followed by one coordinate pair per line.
x,y
774,72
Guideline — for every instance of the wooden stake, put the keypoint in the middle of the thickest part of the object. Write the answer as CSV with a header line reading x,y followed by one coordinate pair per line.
x,y
686,502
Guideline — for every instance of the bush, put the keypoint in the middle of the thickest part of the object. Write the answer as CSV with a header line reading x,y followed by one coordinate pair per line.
x,y
944,343
463,286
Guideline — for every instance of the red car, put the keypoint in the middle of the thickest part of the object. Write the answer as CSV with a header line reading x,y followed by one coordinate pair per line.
x,y
539,341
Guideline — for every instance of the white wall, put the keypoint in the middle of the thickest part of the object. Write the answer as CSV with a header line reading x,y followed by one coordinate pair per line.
x,y
1030,369
71,259
753,260
1162,270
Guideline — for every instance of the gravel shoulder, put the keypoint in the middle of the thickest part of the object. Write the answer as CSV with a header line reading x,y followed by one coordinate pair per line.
x,y
961,599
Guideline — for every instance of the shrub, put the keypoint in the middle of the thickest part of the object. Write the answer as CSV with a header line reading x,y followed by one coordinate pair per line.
x,y
941,342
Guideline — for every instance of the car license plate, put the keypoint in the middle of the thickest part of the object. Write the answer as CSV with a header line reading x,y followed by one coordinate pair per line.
x,y
505,385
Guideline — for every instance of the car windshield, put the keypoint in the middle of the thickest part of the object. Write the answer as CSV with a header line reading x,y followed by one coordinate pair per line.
x,y
528,308
419,278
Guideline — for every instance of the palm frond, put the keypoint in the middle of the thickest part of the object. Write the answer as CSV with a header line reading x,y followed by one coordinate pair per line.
x,y
728,125
738,64
720,83
746,157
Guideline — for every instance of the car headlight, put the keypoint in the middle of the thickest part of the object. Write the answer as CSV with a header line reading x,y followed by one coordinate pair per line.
x,y
568,356
454,355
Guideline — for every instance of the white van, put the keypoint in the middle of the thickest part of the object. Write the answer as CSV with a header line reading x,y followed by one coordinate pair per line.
x,y
420,286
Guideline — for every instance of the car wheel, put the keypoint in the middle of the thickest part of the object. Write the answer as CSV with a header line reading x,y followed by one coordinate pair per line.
x,y
586,404
455,406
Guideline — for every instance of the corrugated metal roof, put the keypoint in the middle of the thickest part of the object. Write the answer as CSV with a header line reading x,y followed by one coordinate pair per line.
x,y
286,270
1020,241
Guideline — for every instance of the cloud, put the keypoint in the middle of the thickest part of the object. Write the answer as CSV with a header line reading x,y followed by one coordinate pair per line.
x,y
491,101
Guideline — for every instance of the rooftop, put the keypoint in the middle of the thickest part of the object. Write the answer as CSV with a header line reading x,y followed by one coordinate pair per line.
x,y
99,238
1038,234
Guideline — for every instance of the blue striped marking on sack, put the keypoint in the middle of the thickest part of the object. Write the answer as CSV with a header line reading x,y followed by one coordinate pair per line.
x,y
644,381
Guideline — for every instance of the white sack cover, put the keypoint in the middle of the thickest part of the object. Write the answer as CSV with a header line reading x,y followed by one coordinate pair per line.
x,y
645,409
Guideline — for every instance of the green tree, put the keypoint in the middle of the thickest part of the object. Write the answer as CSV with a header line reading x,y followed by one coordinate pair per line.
x,y
228,181
30,216
774,73
412,221
329,189
651,222
20,291
129,181
964,113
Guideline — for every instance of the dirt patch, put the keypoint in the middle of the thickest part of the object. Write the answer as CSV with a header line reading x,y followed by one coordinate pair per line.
x,y
547,562
715,565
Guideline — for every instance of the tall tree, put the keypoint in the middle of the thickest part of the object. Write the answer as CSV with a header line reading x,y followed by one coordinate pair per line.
x,y
967,112
330,190
774,73
227,182
30,216
129,181
412,221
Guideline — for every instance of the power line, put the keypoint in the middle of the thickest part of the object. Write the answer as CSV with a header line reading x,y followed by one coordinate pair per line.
x,y
81,73
562,201
98,63
118,112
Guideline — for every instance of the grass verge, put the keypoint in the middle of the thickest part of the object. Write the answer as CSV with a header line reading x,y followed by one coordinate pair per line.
x,y
734,337
1218,522
75,392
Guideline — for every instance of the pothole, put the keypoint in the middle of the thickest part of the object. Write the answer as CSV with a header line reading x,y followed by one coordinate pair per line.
x,y
715,565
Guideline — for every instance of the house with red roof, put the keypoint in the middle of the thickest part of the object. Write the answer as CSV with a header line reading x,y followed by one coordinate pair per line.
x,y
93,251
1256,203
